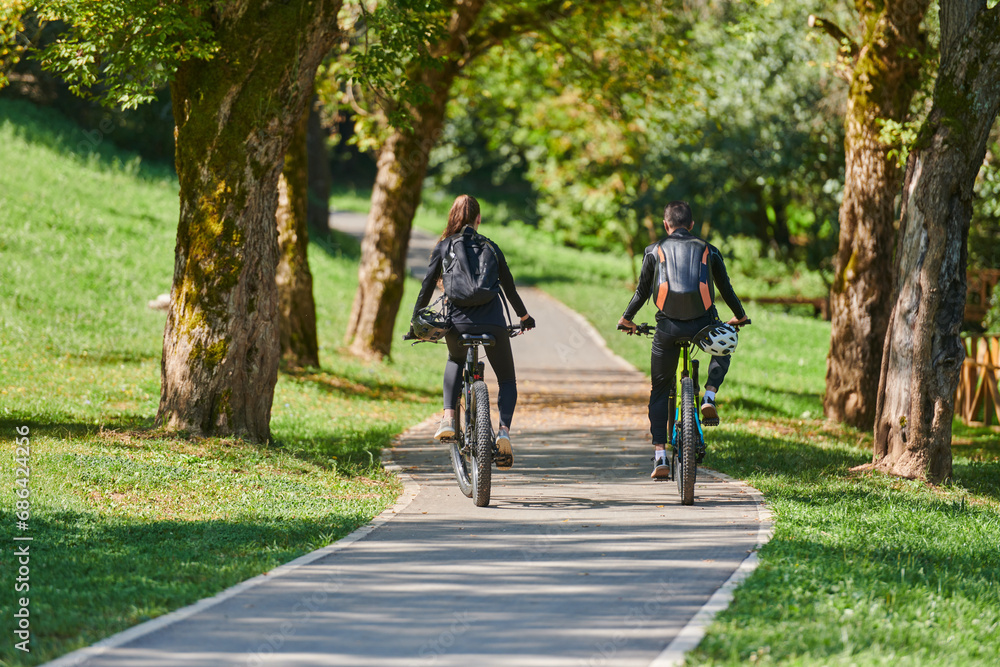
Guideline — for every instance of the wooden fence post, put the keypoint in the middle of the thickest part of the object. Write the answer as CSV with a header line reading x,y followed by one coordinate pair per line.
x,y
978,394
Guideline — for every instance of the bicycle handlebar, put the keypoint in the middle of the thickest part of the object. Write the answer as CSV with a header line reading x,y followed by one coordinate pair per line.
x,y
512,331
648,330
643,329
516,330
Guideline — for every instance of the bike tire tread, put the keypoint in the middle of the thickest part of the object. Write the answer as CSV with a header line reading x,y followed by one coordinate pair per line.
x,y
688,443
482,444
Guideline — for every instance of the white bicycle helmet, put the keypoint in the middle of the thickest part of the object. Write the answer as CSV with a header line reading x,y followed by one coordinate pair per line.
x,y
718,339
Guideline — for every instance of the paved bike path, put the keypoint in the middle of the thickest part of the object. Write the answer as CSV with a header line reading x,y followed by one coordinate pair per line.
x,y
580,559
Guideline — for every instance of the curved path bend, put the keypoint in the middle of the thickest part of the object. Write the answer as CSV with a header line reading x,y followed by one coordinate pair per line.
x,y
579,560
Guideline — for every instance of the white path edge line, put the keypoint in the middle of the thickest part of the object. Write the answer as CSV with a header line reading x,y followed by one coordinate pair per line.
x,y
691,634
410,490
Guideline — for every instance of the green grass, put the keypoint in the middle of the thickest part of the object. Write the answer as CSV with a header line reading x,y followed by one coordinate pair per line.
x,y
127,523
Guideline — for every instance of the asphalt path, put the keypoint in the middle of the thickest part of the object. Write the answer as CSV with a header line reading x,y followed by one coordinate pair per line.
x,y
580,559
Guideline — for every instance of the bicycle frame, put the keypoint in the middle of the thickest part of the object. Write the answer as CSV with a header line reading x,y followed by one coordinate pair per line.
x,y
673,410
473,371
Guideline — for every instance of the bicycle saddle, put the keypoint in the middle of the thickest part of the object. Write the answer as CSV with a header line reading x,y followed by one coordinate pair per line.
x,y
478,339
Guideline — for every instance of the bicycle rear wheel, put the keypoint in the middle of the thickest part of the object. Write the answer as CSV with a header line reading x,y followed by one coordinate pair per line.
x,y
482,444
687,466
461,452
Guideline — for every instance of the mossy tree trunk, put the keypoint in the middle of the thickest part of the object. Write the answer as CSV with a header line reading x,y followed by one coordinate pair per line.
x,y
923,351
402,165
234,116
885,75
296,307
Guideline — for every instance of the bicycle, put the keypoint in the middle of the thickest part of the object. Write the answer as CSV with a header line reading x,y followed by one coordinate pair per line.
x,y
687,439
474,443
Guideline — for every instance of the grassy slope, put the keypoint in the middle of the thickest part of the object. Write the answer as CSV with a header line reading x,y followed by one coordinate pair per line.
x,y
128,524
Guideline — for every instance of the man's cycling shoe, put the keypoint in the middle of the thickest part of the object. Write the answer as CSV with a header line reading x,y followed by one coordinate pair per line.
x,y
709,415
446,429
503,456
661,470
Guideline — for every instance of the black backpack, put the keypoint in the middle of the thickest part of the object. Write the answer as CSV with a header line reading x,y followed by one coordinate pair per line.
x,y
683,288
470,270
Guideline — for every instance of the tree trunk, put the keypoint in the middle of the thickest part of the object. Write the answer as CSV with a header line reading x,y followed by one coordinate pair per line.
x,y
781,235
758,216
884,78
402,165
923,351
320,177
296,308
234,115
653,230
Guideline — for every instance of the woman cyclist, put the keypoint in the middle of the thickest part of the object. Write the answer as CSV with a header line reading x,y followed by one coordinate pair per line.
x,y
464,219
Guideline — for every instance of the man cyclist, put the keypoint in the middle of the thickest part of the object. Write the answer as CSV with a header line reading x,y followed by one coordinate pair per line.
x,y
681,273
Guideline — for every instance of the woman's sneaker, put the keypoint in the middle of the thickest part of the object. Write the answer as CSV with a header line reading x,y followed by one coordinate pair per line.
x,y
709,415
504,455
661,469
446,429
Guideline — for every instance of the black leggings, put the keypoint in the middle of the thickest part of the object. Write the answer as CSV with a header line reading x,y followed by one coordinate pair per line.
x,y
501,360
663,369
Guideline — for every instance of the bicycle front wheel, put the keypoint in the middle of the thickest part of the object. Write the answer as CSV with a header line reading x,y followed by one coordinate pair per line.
x,y
687,464
461,452
482,444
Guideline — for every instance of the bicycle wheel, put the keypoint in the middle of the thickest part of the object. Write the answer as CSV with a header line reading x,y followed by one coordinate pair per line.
x,y
482,445
688,465
461,452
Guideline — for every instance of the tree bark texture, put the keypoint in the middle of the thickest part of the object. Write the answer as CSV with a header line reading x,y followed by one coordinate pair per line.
x,y
884,77
402,166
923,351
296,307
234,115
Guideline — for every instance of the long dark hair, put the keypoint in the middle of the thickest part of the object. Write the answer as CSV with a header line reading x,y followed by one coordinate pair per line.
x,y
463,212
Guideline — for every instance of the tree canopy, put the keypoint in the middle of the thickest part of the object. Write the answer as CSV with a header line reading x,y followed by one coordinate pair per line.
x,y
733,107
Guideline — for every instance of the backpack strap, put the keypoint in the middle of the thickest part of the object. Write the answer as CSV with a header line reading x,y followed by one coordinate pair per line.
x,y
706,296
503,297
445,306
664,288
506,307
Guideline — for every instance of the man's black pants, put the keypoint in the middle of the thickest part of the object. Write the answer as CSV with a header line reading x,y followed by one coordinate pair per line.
x,y
663,368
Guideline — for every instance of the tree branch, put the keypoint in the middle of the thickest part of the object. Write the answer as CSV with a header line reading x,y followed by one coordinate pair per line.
x,y
516,23
835,31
